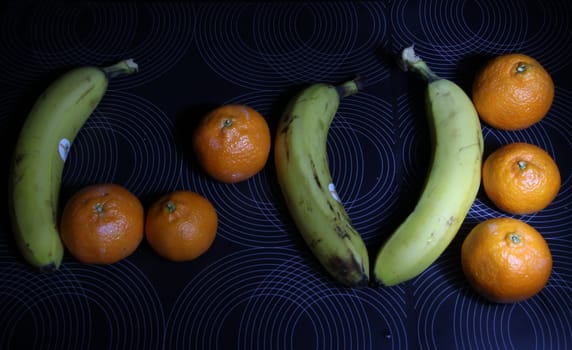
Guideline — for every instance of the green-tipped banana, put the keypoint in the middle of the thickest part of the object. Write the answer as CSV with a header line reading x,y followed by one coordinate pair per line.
x,y
42,147
451,186
306,183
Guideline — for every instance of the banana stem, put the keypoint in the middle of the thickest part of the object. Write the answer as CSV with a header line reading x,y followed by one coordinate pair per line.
x,y
350,87
121,68
410,61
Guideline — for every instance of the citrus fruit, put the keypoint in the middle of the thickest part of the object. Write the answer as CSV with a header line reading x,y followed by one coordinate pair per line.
x,y
181,225
102,223
232,143
520,178
506,260
512,92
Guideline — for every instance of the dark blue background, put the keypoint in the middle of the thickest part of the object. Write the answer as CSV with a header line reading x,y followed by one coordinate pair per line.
x,y
259,287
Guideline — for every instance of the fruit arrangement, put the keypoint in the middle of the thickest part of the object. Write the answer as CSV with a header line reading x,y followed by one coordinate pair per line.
x,y
505,259
105,223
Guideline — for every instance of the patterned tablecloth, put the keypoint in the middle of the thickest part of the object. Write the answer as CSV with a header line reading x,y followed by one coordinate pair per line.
x,y
258,287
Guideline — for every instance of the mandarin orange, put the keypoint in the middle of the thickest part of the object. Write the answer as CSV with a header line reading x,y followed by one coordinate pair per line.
x,y
232,143
512,92
506,260
102,223
181,225
521,178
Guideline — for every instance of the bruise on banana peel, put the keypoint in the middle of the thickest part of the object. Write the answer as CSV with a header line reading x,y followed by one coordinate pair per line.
x,y
287,122
285,129
316,175
332,209
342,233
346,267
314,243
94,101
452,219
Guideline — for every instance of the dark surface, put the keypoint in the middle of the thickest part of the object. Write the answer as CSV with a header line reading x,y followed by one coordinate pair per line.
x,y
258,287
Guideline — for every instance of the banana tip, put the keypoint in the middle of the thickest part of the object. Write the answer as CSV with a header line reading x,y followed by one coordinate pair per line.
x,y
49,268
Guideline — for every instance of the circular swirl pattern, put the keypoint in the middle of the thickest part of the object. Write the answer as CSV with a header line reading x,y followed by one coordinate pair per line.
x,y
259,287
432,292
446,33
80,306
24,67
280,302
438,300
91,30
472,322
125,130
62,36
415,141
291,43
361,156
558,124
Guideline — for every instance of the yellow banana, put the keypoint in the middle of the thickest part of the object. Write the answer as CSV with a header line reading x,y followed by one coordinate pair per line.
x,y
39,155
304,177
451,185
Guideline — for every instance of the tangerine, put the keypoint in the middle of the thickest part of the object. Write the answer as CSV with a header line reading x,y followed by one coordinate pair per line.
x,y
506,260
512,92
232,143
102,223
181,225
521,178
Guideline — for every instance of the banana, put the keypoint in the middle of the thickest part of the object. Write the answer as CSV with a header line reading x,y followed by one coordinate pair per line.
x,y
304,177
40,153
451,185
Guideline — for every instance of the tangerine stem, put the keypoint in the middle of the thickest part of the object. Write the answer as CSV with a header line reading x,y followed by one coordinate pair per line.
x,y
226,123
98,208
171,206
521,67
521,164
515,238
